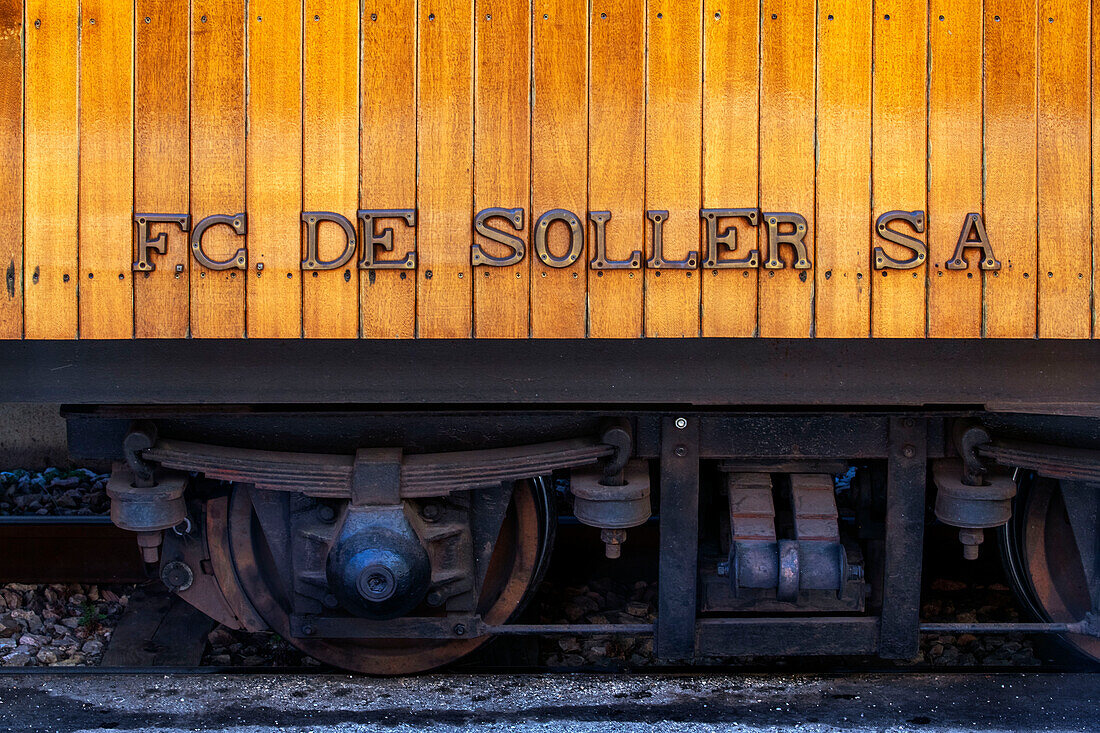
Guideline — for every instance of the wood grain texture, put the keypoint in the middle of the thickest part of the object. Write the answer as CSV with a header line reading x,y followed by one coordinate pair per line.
x,y
445,185
162,298
217,161
674,108
106,169
388,159
616,161
1094,91
787,167
1011,199
330,161
731,118
954,165
843,238
502,159
1065,280
899,155
274,170
559,162
11,174
51,170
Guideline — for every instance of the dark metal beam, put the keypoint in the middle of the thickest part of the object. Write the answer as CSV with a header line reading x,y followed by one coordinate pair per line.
x,y
1049,376
679,544
905,488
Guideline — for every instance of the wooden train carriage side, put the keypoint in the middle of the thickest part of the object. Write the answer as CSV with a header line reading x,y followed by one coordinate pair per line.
x,y
852,171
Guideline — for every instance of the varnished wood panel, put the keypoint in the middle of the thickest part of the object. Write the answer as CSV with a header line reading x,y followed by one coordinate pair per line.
x,y
843,242
787,167
51,170
899,155
502,157
1010,166
218,161
162,297
954,165
263,110
388,146
616,161
674,108
445,184
274,169
106,169
731,117
559,162
1065,280
330,164
11,174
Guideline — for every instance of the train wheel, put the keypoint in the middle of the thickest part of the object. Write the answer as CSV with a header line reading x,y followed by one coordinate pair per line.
x,y
517,565
1043,561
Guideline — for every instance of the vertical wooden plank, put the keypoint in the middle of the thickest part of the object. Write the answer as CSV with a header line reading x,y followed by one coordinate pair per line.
x,y
274,169
843,286
674,108
616,162
11,174
330,164
731,119
106,169
1094,92
161,175
559,162
445,183
1010,166
50,174
954,165
1065,251
388,159
217,161
502,158
899,155
787,166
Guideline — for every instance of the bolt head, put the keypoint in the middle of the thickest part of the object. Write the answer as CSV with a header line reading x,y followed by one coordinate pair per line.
x,y
681,422
680,451
909,451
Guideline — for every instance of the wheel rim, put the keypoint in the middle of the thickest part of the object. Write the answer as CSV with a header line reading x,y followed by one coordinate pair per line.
x,y
514,570
1043,562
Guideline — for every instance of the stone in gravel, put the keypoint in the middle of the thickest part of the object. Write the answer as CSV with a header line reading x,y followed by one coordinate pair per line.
x,y
9,626
36,640
220,636
254,661
72,622
34,621
966,639
637,608
573,660
596,618
569,644
573,612
943,584
6,645
46,656
92,647
221,660
16,659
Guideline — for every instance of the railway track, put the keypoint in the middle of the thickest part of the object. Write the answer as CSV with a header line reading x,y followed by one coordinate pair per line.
x,y
161,634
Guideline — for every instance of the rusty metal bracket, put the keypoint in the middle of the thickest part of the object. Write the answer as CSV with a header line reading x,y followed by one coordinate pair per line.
x,y
376,477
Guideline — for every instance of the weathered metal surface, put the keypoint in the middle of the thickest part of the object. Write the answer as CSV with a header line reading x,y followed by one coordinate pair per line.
x,y
1052,461
1032,376
679,542
905,503
330,476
